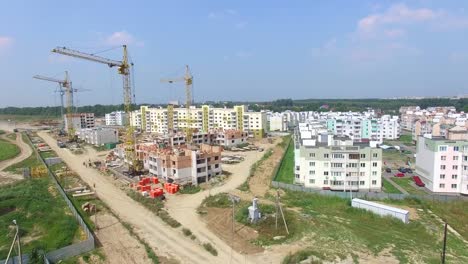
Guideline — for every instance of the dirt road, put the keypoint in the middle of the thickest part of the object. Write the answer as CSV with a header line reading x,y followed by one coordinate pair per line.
x,y
183,208
165,240
26,151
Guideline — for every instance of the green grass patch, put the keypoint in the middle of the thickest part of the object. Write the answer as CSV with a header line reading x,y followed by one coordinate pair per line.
x,y
2,132
406,183
338,229
31,161
286,170
8,150
302,255
388,187
455,213
244,186
11,136
43,216
406,139
190,189
48,154
220,200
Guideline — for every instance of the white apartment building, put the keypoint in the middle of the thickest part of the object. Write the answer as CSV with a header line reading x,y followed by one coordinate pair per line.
x,y
117,118
443,164
170,119
325,161
98,136
80,120
278,122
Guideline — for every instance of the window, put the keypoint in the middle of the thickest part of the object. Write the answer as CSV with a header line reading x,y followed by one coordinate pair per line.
x,y
352,165
374,182
443,157
456,148
374,173
335,173
454,176
338,156
442,176
312,164
312,155
311,181
363,165
325,164
216,166
454,186
362,173
455,167
361,182
325,181
216,157
311,172
374,164
375,155
363,156
455,157
442,167
442,148
337,165
297,176
325,156
442,185
298,167
325,173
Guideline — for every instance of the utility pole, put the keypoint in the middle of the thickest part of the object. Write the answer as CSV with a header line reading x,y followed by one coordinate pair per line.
x,y
445,243
234,199
18,241
281,210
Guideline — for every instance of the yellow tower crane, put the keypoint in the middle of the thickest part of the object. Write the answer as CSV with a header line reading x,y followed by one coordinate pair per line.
x,y
65,88
188,80
124,69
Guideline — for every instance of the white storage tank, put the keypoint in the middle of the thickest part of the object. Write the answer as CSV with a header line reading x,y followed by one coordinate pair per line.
x,y
380,209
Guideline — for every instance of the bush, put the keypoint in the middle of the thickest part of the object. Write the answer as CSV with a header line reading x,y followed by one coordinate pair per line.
x,y
220,200
190,189
186,231
210,249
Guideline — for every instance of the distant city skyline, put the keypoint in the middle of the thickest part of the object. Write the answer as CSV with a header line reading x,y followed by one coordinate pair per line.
x,y
238,51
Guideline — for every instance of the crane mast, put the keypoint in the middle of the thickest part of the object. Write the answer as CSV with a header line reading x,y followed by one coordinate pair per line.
x,y
65,88
123,67
188,80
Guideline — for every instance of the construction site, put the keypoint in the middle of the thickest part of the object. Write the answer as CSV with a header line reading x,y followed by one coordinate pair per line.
x,y
188,184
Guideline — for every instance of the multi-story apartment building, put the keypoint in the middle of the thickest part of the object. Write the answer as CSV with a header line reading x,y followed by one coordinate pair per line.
x,y
278,122
443,164
80,120
117,118
98,136
183,165
220,137
171,119
326,161
362,128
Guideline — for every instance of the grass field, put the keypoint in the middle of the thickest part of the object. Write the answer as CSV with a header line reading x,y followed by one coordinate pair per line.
x,y
406,184
44,219
406,140
395,159
48,154
338,229
8,150
388,187
31,161
11,136
286,170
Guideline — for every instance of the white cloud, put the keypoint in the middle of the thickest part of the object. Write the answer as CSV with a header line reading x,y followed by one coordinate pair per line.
x,y
122,38
222,14
396,14
395,33
325,49
244,54
241,25
5,43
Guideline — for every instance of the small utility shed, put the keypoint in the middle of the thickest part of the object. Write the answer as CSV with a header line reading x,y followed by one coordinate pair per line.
x,y
380,209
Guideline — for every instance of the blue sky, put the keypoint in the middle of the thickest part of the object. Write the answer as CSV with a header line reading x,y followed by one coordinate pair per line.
x,y
238,50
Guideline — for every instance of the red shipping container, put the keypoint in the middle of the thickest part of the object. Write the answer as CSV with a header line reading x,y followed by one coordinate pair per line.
x,y
155,180
142,183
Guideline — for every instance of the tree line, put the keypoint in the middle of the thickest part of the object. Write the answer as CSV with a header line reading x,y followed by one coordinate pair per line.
x,y
389,106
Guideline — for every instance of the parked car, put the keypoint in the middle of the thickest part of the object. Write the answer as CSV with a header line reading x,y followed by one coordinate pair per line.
x,y
418,181
388,170
399,174
402,170
408,170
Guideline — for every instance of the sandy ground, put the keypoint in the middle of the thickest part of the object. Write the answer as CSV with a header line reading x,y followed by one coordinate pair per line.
x,y
26,151
165,240
118,244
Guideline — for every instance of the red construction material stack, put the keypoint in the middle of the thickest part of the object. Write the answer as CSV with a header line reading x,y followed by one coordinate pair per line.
x,y
142,183
155,180
146,180
146,188
156,192
166,186
176,187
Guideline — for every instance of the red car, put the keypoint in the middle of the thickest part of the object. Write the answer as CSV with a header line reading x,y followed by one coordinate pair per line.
x,y
399,174
418,181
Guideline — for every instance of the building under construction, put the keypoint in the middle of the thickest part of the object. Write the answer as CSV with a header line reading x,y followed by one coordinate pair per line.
x,y
79,121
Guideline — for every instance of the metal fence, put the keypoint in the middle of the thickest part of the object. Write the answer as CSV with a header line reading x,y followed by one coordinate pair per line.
x,y
367,195
71,250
